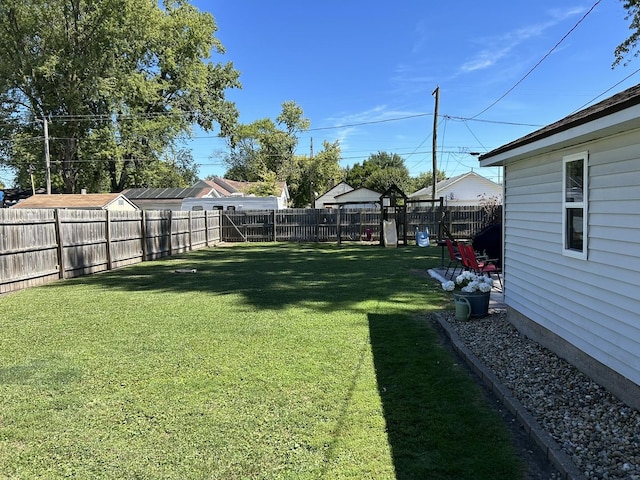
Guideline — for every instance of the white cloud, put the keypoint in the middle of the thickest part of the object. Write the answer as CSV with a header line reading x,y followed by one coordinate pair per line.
x,y
354,124
501,46
485,59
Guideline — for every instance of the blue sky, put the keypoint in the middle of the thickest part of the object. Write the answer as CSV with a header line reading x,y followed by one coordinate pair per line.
x,y
364,72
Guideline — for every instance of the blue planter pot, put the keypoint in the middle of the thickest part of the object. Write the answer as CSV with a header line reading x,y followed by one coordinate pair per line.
x,y
478,301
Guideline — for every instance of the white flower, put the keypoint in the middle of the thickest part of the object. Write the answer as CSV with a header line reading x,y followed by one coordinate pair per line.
x,y
469,282
464,276
448,286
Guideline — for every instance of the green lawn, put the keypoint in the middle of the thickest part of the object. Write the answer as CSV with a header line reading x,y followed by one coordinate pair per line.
x,y
288,361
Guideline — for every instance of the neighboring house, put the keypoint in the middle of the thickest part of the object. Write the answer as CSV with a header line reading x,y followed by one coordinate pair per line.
x,y
225,188
163,198
466,189
357,198
327,199
84,201
572,239
232,203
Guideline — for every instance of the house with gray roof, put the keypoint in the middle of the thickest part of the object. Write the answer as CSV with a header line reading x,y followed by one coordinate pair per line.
x,y
572,239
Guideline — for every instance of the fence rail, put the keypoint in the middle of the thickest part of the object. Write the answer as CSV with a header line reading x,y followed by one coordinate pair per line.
x,y
40,246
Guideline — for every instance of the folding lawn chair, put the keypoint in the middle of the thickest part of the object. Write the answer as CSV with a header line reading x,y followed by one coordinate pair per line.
x,y
454,258
471,261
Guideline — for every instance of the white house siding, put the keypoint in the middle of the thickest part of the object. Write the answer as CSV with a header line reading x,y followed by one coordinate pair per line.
x,y
469,191
121,204
329,198
239,203
359,198
593,304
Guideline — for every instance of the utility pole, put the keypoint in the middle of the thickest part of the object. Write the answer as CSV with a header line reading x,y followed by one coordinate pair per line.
x,y
436,92
47,160
33,185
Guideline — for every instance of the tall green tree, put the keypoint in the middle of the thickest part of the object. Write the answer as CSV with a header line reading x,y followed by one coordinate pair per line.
x,y
379,172
266,146
384,160
313,175
118,80
424,180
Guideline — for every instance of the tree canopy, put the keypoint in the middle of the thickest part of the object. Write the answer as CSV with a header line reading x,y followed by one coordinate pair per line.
x,y
629,48
119,81
266,146
379,172
383,169
264,151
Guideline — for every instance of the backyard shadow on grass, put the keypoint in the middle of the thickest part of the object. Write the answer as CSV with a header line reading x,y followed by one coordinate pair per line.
x,y
274,276
438,425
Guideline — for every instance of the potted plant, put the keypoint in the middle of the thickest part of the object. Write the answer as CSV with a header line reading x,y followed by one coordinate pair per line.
x,y
473,290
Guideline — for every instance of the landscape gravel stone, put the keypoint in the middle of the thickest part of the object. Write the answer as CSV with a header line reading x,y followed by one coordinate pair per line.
x,y
600,433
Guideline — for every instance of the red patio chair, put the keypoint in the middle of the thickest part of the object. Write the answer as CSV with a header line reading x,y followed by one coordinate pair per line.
x,y
454,257
463,256
472,263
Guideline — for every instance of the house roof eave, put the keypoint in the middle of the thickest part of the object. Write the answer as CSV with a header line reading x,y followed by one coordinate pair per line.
x,y
590,123
579,133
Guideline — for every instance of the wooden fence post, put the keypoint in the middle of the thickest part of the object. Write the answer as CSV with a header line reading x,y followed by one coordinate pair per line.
x,y
338,225
60,240
190,230
108,235
170,233
206,227
143,234
275,231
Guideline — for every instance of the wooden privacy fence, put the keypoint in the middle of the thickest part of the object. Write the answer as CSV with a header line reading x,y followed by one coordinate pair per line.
x,y
39,246
297,225
309,225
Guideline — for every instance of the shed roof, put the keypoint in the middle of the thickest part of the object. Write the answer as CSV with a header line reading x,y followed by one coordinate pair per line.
x,y
165,193
86,200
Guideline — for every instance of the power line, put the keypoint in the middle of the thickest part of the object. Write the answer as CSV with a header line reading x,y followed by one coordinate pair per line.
x,y
606,91
371,122
498,122
541,60
333,127
466,124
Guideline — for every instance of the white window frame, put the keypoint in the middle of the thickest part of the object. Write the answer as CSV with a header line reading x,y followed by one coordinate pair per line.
x,y
573,204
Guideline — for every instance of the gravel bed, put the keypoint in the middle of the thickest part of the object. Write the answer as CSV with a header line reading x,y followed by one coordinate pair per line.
x,y
600,433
